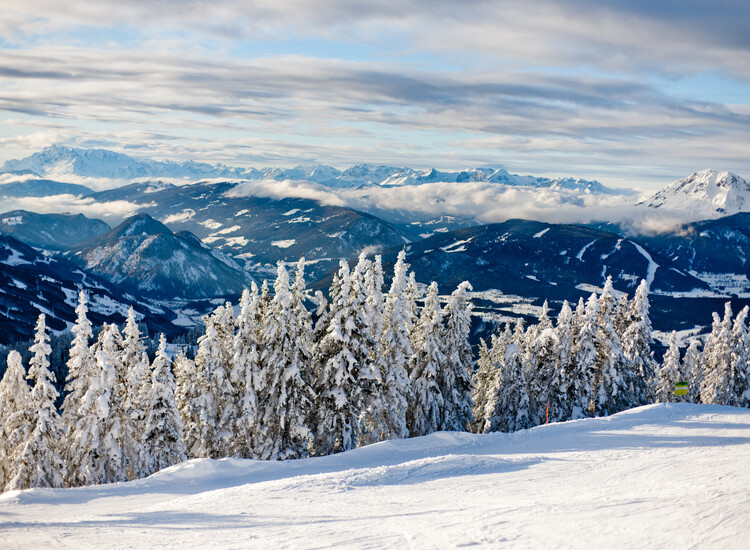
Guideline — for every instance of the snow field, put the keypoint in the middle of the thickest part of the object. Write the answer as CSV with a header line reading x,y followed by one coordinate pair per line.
x,y
654,477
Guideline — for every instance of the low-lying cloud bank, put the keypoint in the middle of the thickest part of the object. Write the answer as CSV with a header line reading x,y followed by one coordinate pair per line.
x,y
482,201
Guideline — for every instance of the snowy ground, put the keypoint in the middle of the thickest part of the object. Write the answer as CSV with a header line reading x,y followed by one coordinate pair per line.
x,y
674,476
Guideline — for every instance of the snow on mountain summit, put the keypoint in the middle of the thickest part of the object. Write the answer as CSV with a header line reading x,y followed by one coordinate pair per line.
x,y
703,195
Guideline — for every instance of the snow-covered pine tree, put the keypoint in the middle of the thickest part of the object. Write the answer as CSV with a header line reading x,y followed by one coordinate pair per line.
x,y
285,406
559,407
397,350
81,373
379,414
611,364
423,416
541,361
716,385
692,369
581,391
189,394
636,345
454,376
669,373
162,437
229,407
109,450
246,374
132,391
210,433
740,367
37,461
337,418
481,383
509,407
15,397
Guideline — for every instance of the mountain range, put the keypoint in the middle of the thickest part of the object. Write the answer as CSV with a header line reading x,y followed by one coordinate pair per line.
x,y
185,248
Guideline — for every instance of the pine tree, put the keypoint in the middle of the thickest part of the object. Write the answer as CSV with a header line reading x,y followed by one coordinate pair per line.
x,y
162,436
717,382
132,391
541,360
669,373
285,406
81,375
378,414
693,370
207,437
246,373
580,390
110,455
15,398
740,367
189,392
611,375
226,393
559,407
37,461
424,414
509,406
337,419
636,345
454,378
397,351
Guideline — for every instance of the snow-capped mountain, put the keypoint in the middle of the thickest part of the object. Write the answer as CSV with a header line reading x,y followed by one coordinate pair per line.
x,y
61,161
32,283
144,256
703,195
50,231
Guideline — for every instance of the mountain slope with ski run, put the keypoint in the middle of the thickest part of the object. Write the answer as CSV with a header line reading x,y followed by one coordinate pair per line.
x,y
654,477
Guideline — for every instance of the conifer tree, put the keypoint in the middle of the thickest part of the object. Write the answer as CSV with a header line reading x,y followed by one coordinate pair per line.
x,y
111,460
246,373
397,350
210,433
481,383
81,375
285,407
669,373
37,461
581,391
559,407
454,376
378,414
337,418
693,370
189,394
509,407
636,345
612,367
424,414
132,391
162,437
739,370
15,398
717,382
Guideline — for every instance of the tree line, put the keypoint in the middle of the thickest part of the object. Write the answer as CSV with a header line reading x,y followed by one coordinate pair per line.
x,y
280,380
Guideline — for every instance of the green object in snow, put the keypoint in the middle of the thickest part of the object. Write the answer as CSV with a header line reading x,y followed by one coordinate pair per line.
x,y
681,388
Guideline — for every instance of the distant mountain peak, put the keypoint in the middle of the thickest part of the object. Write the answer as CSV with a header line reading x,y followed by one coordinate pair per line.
x,y
704,194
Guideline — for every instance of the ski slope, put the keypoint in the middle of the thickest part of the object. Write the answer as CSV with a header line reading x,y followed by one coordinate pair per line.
x,y
660,476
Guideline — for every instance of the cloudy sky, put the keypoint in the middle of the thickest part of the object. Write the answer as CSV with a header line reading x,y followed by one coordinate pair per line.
x,y
630,92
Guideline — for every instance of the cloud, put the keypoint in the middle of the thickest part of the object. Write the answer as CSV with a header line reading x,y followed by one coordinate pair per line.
x,y
111,211
482,201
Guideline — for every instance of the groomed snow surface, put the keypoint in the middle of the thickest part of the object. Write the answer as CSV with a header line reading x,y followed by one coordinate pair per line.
x,y
661,476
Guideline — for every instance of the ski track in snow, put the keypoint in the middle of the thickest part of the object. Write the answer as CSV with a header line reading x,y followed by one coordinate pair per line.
x,y
583,250
661,476
652,265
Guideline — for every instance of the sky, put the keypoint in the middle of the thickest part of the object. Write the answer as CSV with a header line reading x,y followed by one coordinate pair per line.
x,y
631,93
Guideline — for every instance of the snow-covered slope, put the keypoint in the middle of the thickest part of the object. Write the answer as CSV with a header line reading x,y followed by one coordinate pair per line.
x,y
662,476
143,255
703,195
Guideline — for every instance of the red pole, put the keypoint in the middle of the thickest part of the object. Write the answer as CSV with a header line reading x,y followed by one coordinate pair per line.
x,y
547,413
